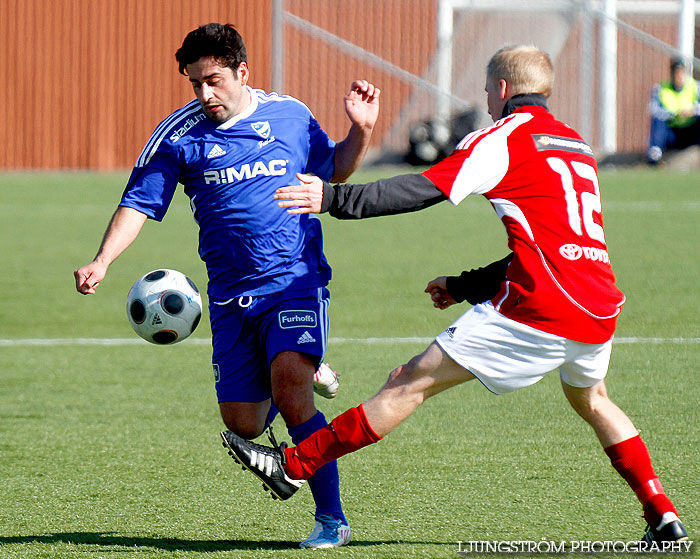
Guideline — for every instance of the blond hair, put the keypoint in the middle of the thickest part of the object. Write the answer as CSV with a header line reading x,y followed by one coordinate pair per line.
x,y
525,68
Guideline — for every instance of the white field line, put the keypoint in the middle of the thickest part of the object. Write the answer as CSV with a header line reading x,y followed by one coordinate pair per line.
x,y
618,206
18,342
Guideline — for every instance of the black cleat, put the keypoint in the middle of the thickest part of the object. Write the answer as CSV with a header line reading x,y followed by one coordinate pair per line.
x,y
671,532
265,462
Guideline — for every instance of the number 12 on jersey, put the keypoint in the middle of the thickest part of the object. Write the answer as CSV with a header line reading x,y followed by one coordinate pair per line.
x,y
572,174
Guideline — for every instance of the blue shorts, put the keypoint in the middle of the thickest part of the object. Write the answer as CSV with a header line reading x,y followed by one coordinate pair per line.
x,y
248,332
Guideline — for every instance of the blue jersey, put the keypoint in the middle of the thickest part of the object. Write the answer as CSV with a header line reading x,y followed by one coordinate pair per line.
x,y
230,172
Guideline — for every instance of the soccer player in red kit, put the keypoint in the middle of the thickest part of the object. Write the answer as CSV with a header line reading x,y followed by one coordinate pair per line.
x,y
553,304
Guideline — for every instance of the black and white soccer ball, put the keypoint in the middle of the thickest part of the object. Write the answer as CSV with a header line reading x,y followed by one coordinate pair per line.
x,y
164,306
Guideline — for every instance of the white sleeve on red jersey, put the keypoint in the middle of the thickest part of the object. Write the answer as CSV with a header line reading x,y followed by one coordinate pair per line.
x,y
479,162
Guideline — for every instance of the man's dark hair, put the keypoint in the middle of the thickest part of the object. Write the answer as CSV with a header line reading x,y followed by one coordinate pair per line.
x,y
677,63
222,42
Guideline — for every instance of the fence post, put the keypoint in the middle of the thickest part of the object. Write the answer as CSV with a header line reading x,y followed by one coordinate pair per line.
x,y
277,78
443,78
608,77
586,72
686,32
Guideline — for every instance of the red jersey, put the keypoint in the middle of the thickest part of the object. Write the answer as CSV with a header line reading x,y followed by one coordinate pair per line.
x,y
542,180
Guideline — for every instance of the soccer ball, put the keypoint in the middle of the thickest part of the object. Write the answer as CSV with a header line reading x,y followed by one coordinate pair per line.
x,y
164,306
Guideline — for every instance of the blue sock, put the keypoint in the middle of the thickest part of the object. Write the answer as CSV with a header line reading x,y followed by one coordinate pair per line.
x,y
325,483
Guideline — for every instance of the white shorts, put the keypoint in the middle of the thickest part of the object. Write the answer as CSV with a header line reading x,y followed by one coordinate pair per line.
x,y
506,355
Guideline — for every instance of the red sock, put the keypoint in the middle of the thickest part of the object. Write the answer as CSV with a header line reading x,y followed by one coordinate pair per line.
x,y
348,432
632,461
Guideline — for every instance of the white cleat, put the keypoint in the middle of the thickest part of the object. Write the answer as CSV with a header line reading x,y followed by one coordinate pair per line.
x,y
326,382
328,532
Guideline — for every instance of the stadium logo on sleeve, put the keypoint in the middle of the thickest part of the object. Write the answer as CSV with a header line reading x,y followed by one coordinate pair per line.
x,y
297,319
546,142
186,127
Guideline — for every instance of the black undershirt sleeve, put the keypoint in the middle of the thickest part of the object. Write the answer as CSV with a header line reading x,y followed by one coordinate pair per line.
x,y
482,284
395,195
403,194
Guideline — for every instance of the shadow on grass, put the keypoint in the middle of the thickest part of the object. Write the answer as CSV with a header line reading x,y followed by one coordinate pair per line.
x,y
175,544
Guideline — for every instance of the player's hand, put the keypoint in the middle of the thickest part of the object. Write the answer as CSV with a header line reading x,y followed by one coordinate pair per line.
x,y
89,277
362,103
439,294
301,198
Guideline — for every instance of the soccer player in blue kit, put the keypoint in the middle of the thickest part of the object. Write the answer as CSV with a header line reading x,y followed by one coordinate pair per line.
x,y
231,148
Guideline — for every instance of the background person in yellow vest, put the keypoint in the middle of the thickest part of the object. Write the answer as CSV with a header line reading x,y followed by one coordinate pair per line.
x,y
674,109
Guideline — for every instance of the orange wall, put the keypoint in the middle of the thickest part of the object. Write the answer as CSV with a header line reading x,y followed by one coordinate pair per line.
x,y
400,31
86,81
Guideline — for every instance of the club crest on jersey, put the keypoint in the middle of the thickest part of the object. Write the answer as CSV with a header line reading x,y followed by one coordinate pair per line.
x,y
274,168
262,129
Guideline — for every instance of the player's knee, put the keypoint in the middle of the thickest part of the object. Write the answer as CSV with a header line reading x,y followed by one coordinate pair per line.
x,y
295,402
296,411
246,431
409,381
406,374
242,425
593,407
397,375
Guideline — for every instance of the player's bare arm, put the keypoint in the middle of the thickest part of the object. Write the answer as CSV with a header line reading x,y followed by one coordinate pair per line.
x,y
123,228
362,108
